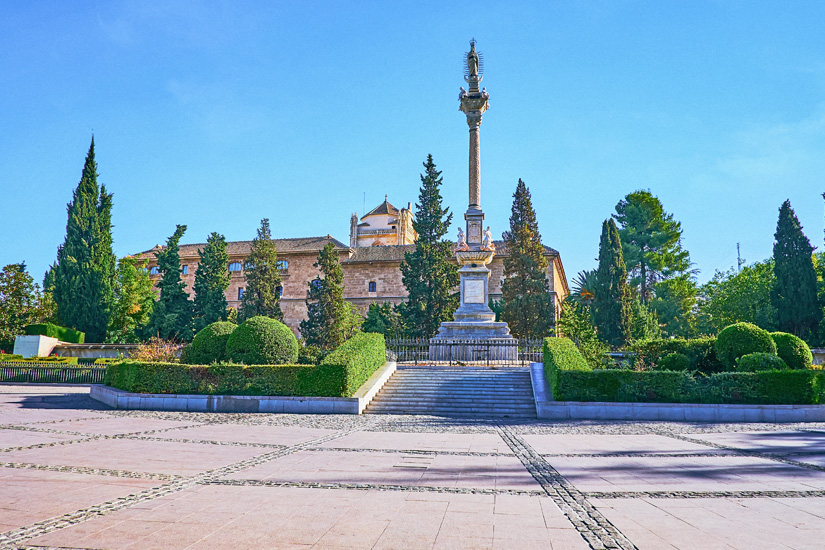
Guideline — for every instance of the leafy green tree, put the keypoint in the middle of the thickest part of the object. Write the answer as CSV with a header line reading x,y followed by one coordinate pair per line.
x,y
20,303
330,320
263,278
384,319
575,323
427,272
211,282
171,317
738,296
611,302
84,274
794,291
651,242
644,324
674,303
134,300
527,306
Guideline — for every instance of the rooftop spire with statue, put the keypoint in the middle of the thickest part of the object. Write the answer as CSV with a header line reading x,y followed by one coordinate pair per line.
x,y
473,320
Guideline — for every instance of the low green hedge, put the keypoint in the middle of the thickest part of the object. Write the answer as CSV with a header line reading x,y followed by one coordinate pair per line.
x,y
53,331
561,354
339,375
778,387
49,359
360,357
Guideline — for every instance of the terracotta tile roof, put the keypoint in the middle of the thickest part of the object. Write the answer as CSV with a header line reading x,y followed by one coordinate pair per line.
x,y
234,248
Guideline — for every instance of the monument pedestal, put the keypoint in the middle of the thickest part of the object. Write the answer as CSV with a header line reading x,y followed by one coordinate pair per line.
x,y
474,334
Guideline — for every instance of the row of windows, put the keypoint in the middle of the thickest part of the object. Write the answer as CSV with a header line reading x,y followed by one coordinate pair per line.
x,y
372,286
241,291
283,265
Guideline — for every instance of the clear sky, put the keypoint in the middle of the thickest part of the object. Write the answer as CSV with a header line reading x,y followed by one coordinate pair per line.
x,y
217,114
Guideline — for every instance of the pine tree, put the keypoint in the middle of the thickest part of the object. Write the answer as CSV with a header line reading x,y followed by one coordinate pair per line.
x,y
134,300
211,282
263,278
612,296
794,292
651,242
527,306
84,274
427,272
330,320
171,317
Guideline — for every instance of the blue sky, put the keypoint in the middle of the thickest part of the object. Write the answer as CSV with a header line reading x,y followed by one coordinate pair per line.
x,y
217,114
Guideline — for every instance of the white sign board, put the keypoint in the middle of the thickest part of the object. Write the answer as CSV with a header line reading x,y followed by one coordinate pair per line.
x,y
473,291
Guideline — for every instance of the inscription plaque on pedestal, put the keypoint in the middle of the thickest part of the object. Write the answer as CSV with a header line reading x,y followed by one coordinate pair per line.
x,y
474,232
473,291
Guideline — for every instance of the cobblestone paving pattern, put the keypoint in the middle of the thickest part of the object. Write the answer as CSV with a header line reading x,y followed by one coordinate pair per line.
x,y
778,503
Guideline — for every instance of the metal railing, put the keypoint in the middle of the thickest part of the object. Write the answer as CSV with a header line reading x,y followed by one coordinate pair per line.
x,y
417,351
46,373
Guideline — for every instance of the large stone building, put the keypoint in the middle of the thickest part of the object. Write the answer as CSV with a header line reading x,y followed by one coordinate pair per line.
x,y
378,242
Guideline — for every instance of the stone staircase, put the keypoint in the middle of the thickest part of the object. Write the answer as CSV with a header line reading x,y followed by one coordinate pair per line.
x,y
467,392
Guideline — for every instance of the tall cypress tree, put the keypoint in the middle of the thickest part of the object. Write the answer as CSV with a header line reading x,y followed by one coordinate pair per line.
x,y
84,274
794,293
262,294
330,320
171,317
427,272
612,297
527,306
211,282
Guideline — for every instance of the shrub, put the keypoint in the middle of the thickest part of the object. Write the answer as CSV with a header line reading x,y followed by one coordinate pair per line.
x,y
310,355
262,341
53,331
360,356
209,345
700,351
561,354
10,357
793,350
674,361
741,339
157,350
755,362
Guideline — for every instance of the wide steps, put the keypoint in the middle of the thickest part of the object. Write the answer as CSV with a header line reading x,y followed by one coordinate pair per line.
x,y
468,392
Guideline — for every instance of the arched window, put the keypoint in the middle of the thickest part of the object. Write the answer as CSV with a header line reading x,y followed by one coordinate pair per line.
x,y
235,266
373,286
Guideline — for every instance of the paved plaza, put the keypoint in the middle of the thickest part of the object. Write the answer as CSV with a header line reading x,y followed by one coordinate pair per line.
x,y
77,475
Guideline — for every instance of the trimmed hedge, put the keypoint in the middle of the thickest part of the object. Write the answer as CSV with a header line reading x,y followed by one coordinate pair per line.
x,y
755,362
340,375
262,341
209,344
360,357
53,331
49,359
674,361
561,354
700,351
793,350
778,387
741,339
10,357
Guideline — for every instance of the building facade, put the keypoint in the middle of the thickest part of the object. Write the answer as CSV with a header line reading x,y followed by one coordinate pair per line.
x,y
371,264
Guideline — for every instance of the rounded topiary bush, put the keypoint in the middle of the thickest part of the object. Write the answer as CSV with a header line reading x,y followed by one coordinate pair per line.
x,y
793,350
209,345
754,362
741,339
262,341
674,361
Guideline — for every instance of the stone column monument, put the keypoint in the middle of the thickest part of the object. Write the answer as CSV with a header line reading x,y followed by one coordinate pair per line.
x,y
474,320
